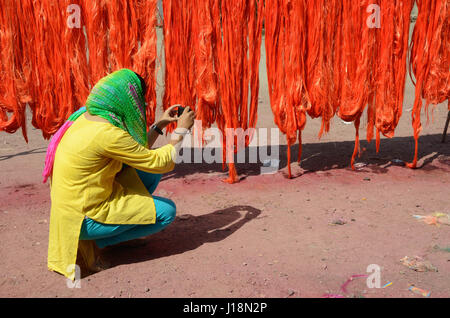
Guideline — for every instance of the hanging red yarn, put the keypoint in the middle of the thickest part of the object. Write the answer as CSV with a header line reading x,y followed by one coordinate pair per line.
x,y
144,61
179,79
191,58
213,46
95,20
430,60
205,59
389,76
238,55
122,32
79,67
322,59
354,69
60,65
12,84
285,32
321,53
45,61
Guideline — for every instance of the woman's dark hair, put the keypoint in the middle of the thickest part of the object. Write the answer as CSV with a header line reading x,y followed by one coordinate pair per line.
x,y
143,85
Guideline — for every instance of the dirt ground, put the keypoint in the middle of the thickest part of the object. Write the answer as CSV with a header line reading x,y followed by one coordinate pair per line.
x,y
266,236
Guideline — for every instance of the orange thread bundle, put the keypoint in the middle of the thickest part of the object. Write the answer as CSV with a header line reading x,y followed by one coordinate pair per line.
x,y
322,60
285,42
430,60
238,55
144,61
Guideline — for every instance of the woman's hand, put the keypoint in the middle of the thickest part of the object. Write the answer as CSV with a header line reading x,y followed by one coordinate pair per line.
x,y
185,123
186,120
169,116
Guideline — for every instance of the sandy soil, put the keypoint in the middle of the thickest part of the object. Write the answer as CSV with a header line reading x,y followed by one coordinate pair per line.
x,y
266,236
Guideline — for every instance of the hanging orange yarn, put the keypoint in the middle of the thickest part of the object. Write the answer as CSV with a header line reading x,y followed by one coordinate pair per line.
x,y
212,53
78,62
321,53
95,20
45,61
46,57
389,66
144,61
12,79
122,32
322,59
179,79
354,69
205,58
285,30
190,58
238,55
60,66
430,60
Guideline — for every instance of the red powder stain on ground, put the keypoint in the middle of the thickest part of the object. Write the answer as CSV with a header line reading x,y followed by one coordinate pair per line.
x,y
263,237
266,236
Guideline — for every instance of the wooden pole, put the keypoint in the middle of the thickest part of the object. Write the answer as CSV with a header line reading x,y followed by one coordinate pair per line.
x,y
446,127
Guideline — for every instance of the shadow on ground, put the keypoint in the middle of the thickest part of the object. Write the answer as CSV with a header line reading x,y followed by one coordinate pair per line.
x,y
186,233
325,156
321,156
24,153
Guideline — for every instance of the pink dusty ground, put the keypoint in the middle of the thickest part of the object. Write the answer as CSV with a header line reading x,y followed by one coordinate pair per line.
x,y
266,236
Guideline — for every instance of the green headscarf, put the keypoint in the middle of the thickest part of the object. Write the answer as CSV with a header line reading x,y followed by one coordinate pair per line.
x,y
119,98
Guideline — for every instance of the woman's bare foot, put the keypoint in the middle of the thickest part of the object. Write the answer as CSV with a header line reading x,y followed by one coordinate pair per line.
x,y
133,243
99,265
90,257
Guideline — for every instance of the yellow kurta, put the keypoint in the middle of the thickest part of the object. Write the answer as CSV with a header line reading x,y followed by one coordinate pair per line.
x,y
88,180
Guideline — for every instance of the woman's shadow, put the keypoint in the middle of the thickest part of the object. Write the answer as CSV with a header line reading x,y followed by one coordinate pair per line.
x,y
187,232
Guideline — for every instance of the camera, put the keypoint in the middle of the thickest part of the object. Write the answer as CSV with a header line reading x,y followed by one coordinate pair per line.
x,y
180,110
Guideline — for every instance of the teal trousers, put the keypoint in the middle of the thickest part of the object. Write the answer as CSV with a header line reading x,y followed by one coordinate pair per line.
x,y
111,234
